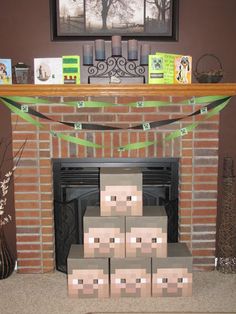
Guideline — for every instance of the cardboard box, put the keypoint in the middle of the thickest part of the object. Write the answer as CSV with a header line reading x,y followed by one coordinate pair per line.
x,y
172,276
121,192
130,277
87,278
146,236
103,236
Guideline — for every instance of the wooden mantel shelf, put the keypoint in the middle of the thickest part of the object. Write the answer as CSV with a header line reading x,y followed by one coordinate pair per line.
x,y
228,89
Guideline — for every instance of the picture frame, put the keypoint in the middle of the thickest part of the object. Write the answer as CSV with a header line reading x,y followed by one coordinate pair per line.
x,y
92,19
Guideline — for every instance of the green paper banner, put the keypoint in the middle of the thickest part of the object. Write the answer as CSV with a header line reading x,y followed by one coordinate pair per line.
x,y
22,114
101,104
89,126
178,133
203,99
29,100
75,140
192,126
138,145
217,109
89,104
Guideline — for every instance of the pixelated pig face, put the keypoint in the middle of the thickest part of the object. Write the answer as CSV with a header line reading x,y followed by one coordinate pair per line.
x,y
146,241
172,282
130,282
104,242
88,282
121,199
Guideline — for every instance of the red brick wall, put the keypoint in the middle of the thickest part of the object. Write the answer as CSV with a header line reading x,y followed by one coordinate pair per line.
x,y
198,153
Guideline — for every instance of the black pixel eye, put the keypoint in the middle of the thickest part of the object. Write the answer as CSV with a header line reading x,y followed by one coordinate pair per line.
x,y
180,280
154,240
110,198
112,240
123,280
138,280
138,240
132,198
164,280
96,240
80,281
95,281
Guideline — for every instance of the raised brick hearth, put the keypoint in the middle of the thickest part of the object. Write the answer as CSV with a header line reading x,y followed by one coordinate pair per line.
x,y
197,152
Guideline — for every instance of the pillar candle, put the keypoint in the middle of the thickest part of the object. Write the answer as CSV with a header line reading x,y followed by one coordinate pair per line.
x,y
116,45
132,49
145,52
87,54
100,49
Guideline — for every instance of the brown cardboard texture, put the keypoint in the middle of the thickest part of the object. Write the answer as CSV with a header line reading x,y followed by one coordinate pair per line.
x,y
87,278
103,236
121,192
146,236
172,276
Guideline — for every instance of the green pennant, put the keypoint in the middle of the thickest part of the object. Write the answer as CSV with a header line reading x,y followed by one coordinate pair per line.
x,y
149,103
180,132
137,145
22,114
89,104
29,100
202,100
76,140
217,109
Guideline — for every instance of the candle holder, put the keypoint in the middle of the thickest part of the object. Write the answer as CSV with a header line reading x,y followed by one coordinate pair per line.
x,y
117,67
22,73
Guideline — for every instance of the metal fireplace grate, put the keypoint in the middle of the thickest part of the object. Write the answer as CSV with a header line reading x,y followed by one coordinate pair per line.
x,y
76,186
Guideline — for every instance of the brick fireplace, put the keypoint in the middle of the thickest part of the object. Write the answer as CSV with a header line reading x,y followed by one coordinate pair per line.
x,y
197,152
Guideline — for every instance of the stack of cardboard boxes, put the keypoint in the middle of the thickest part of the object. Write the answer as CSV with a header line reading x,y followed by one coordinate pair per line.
x,y
125,251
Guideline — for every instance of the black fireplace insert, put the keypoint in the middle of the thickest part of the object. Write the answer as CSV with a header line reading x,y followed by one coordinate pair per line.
x,y
76,186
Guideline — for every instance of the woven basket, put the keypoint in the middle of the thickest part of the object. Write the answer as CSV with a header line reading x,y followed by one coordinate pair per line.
x,y
212,76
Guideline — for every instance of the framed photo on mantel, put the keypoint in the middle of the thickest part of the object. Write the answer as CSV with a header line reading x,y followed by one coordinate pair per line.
x,y
91,19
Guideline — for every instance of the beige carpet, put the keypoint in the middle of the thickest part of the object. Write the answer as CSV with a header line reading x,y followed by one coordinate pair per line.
x,y
213,292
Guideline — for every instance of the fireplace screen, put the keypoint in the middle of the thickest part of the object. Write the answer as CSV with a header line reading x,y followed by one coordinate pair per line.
x,y
76,186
